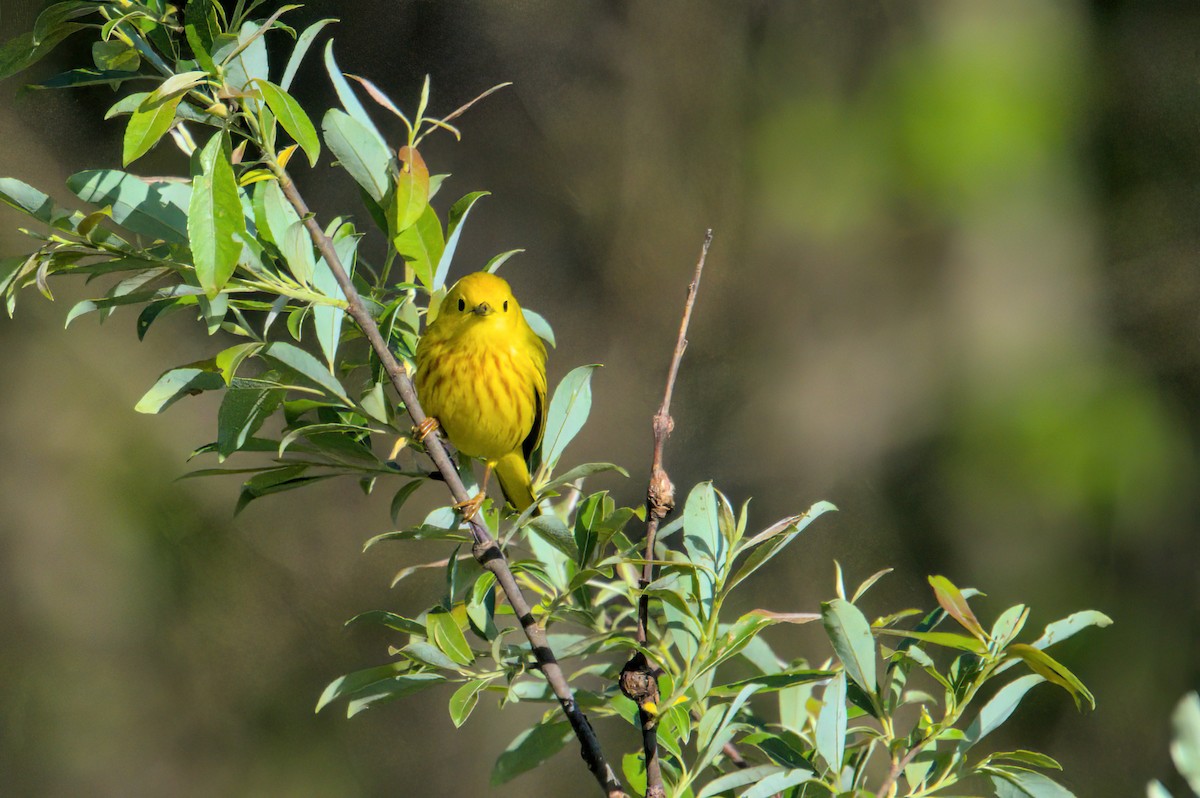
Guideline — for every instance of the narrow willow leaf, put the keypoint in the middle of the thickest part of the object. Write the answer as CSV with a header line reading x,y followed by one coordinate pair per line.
x,y
328,319
303,42
242,412
454,224
411,193
353,682
1070,626
831,724
176,85
1014,783
149,209
216,224
1185,747
292,117
1001,706
463,702
390,689
297,249
146,126
249,63
850,634
552,530
777,783
540,326
531,748
1042,663
178,383
346,95
359,151
305,365
773,540
703,542
421,245
445,634
952,601
738,778
569,409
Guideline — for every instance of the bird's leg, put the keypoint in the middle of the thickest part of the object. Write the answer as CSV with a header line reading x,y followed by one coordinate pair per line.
x,y
472,505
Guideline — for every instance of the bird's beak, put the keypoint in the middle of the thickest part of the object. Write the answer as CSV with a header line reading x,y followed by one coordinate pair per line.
x,y
483,309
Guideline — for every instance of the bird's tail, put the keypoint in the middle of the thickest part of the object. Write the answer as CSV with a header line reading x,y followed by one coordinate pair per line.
x,y
515,480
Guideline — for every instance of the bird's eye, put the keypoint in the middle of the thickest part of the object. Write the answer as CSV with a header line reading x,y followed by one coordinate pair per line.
x,y
506,306
462,305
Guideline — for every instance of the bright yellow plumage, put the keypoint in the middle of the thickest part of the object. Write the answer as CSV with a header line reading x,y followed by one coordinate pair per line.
x,y
481,372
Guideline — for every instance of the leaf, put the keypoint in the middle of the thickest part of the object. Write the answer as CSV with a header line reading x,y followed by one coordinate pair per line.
x,y
582,471
150,209
292,117
303,42
328,319
1001,706
359,151
25,50
346,95
402,495
769,683
831,724
1070,626
353,682
146,126
454,225
1185,746
552,530
1014,783
953,602
738,778
703,542
35,203
448,637
421,245
305,365
249,63
176,85
776,784
411,194
531,748
463,702
945,639
391,620
539,325
568,411
115,56
1042,663
773,540
176,383
242,412
216,224
850,634
390,689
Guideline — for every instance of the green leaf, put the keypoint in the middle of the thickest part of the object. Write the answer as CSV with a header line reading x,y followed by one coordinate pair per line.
x,y
633,766
945,639
292,117
390,689
703,542
216,220
552,530
580,472
328,319
301,363
410,197
391,620
35,203
454,224
1185,746
359,151
303,42
276,480
156,210
776,784
952,601
773,540
1042,663
249,64
177,383
850,634
831,724
242,412
1001,706
445,634
422,245
463,702
539,325
531,748
88,77
146,126
115,56
1019,783
176,85
346,95
402,495
738,778
1070,626
569,409
353,682
26,49
769,683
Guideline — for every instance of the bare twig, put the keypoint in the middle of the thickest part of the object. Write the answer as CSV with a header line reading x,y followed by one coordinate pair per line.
x,y
485,550
639,680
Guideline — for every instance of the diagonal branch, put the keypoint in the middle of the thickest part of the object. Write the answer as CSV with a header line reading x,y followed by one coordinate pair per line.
x,y
485,550
639,680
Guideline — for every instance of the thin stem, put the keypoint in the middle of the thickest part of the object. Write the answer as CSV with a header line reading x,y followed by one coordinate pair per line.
x,y
660,500
485,550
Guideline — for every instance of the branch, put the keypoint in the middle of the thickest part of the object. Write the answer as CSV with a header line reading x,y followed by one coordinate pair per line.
x,y
485,550
639,680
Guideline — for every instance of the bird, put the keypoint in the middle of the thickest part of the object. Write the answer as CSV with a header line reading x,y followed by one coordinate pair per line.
x,y
481,374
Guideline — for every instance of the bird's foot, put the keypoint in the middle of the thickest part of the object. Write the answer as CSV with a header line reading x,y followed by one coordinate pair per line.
x,y
422,430
471,506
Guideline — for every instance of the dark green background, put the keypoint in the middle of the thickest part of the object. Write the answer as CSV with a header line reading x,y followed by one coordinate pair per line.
x,y
955,289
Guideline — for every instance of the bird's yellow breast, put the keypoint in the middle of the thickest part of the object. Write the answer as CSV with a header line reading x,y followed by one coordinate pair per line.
x,y
480,382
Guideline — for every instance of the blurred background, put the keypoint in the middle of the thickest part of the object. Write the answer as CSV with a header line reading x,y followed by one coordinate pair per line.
x,y
954,289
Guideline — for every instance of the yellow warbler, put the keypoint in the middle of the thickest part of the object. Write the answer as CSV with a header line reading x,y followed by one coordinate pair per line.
x,y
481,372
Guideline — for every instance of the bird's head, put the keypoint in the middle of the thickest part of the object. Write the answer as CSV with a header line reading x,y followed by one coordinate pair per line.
x,y
480,298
